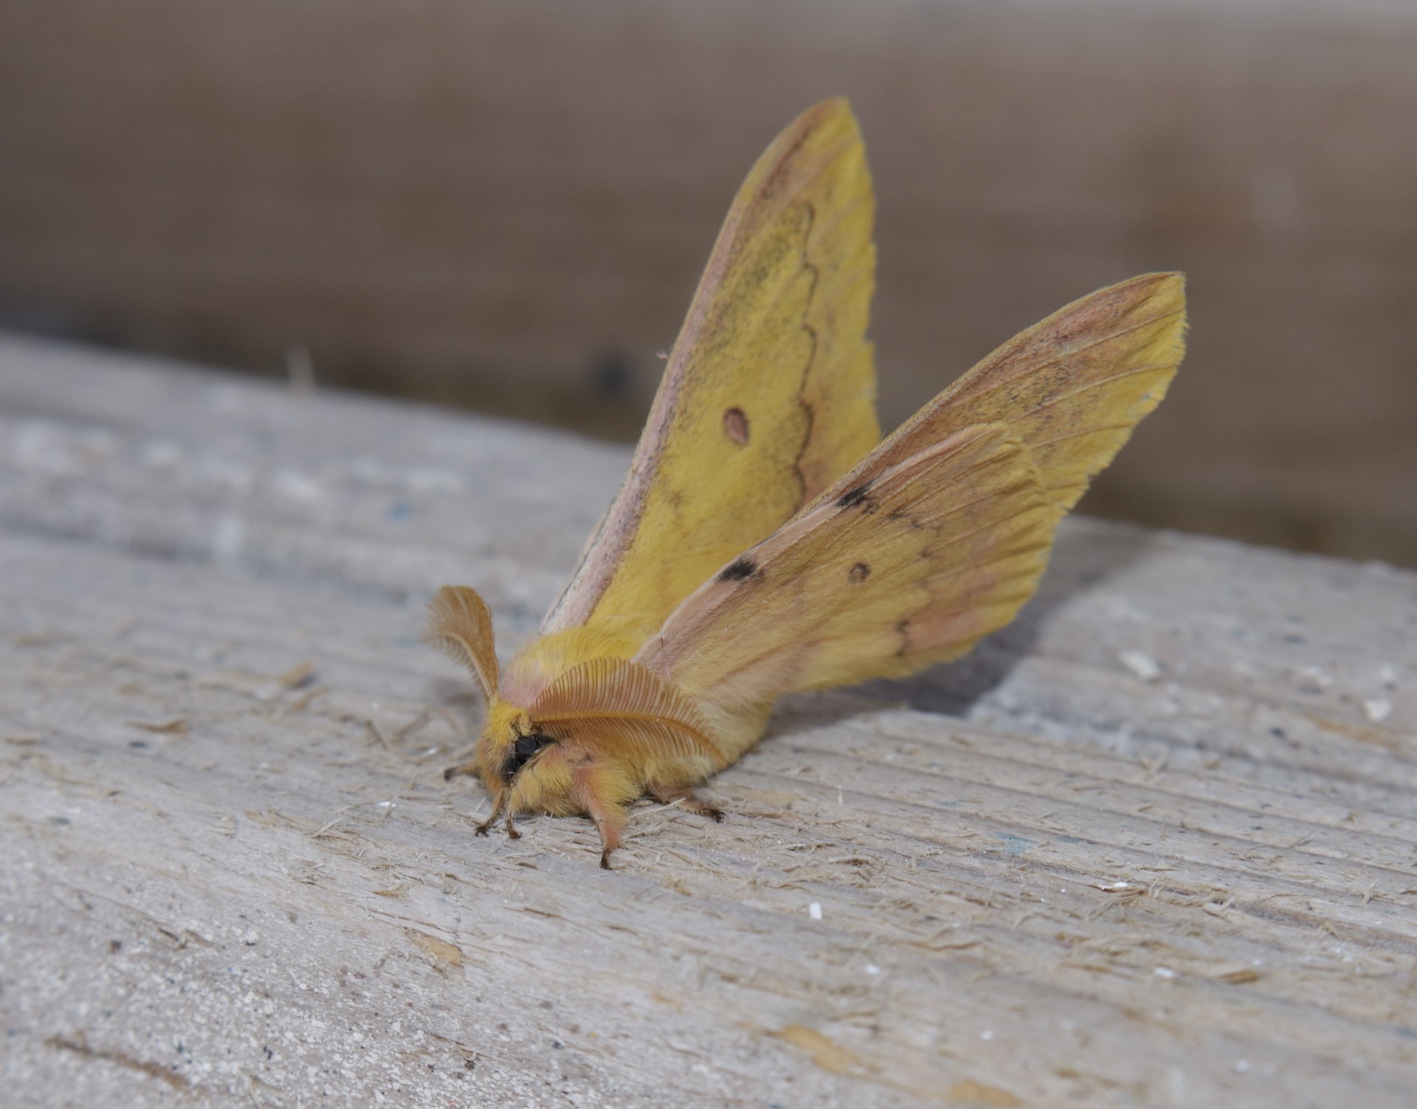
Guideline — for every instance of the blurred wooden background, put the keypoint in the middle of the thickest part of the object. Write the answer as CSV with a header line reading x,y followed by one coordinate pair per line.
x,y
505,205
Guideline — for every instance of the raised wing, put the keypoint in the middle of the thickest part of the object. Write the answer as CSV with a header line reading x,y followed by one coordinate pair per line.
x,y
1071,388
941,533
769,393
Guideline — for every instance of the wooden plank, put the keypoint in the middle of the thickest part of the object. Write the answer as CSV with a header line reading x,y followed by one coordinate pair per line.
x,y
1153,844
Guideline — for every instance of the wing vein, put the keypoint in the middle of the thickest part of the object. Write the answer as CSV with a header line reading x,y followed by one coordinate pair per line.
x,y
1100,383
1060,357
1082,433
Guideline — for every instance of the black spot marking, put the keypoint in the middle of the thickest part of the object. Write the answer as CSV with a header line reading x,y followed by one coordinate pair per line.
x,y
859,573
735,425
741,570
853,497
523,751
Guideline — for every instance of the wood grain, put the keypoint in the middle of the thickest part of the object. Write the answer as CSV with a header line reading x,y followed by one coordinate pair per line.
x,y
1153,844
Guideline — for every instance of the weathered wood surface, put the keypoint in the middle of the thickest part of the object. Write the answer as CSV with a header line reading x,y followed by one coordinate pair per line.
x,y
1152,845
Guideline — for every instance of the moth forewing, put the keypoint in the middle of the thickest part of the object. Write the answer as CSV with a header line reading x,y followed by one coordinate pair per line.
x,y
769,392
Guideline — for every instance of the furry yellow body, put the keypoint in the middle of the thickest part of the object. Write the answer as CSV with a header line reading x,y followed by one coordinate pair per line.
x,y
763,541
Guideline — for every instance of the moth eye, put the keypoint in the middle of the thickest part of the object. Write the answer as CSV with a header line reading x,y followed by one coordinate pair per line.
x,y
524,747
528,745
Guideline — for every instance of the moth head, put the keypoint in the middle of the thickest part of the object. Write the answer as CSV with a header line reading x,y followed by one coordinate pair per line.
x,y
509,743
524,749
523,764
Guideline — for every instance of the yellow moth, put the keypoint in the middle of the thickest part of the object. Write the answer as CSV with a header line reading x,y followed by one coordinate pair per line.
x,y
766,540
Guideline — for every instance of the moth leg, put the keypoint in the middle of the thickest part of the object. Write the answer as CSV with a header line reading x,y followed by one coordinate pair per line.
x,y
688,801
610,822
601,806
497,810
469,768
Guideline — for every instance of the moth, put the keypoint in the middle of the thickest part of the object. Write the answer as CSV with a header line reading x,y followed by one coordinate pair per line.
x,y
766,540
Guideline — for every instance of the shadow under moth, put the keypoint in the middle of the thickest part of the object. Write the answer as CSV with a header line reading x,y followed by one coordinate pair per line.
x,y
766,539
